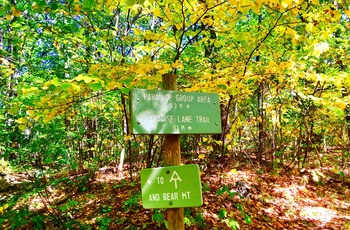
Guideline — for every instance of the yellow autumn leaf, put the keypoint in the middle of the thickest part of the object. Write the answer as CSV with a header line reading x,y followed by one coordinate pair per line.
x,y
137,32
22,127
86,79
21,120
337,15
256,7
201,156
166,68
326,34
286,3
178,65
3,208
9,16
347,12
259,119
114,84
28,90
16,12
221,14
95,67
156,12
30,112
341,105
77,7
290,32
76,87
311,27
178,26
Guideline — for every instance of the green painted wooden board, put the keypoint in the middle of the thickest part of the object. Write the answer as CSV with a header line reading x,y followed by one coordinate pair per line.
x,y
174,112
171,187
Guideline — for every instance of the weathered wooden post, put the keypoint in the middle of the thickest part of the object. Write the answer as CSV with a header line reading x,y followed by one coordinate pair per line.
x,y
175,216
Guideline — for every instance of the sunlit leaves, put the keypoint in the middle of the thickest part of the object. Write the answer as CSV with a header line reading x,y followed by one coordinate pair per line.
x,y
91,47
88,4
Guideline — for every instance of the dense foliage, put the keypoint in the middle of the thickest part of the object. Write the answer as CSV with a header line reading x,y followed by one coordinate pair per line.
x,y
280,67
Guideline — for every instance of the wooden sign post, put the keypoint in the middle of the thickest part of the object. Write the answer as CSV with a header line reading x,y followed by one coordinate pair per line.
x,y
175,216
172,113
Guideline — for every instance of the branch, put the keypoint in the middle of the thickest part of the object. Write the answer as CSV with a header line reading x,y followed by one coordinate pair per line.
x,y
180,48
264,39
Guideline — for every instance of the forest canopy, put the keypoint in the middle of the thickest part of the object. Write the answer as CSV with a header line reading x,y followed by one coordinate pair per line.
x,y
281,69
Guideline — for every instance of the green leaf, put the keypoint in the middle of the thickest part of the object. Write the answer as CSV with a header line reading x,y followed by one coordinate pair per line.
x,y
41,3
16,25
63,208
96,86
187,221
125,90
248,219
130,2
220,192
88,4
222,213
233,224
66,86
54,5
222,86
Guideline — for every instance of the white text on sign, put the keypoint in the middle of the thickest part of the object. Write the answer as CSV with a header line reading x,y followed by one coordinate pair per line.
x,y
178,97
169,196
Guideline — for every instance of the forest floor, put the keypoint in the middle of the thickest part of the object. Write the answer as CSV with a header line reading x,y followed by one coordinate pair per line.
x,y
311,199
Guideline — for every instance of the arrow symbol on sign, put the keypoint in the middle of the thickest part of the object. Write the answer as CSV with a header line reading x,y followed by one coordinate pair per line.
x,y
187,106
189,128
175,177
149,182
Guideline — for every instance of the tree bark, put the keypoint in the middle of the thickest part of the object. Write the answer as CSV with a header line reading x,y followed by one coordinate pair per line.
x,y
260,122
175,216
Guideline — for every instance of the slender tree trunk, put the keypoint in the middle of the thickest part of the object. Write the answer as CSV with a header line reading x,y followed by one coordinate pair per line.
x,y
175,216
126,132
150,151
260,122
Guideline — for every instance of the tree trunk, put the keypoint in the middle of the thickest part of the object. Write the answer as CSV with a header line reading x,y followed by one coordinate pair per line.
x,y
175,216
260,122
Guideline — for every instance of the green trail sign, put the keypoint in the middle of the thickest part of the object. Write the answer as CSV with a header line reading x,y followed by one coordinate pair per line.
x,y
174,112
171,187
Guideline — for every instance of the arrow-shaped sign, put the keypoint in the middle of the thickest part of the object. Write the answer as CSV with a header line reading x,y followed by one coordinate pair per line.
x,y
175,177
